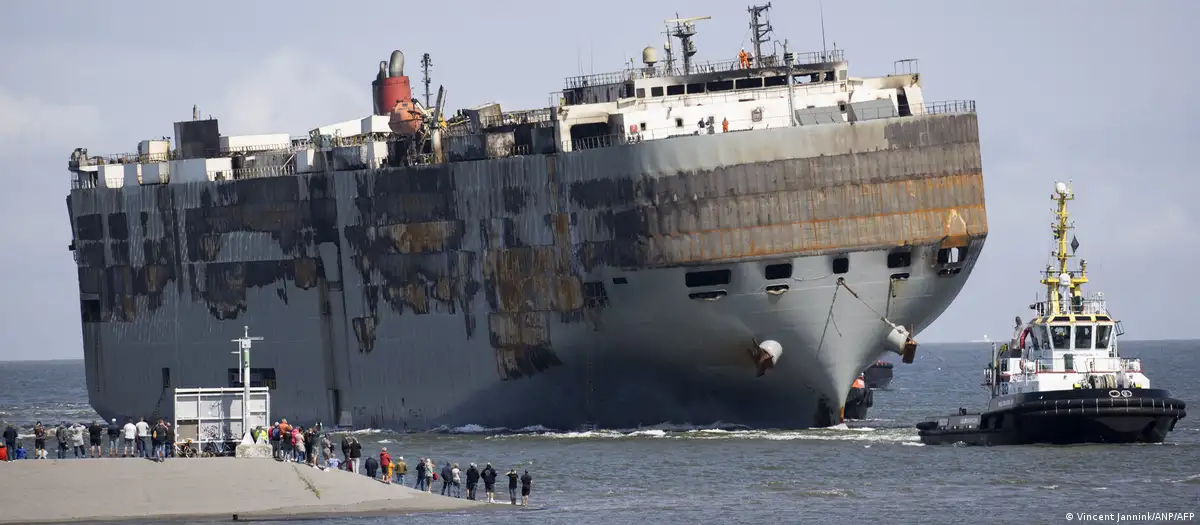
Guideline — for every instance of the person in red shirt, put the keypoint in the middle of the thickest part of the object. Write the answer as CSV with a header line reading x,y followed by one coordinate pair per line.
x,y
385,461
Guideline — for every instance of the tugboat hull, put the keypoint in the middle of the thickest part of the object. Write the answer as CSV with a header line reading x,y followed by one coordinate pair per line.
x,y
857,403
1062,418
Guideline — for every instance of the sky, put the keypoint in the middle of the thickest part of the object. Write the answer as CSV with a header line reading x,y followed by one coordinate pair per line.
x,y
1096,92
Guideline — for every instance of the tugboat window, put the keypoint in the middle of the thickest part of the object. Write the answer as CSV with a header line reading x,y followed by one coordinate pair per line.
x,y
1061,337
1103,332
1083,337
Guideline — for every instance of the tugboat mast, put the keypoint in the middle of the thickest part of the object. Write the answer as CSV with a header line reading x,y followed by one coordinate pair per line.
x,y
1064,277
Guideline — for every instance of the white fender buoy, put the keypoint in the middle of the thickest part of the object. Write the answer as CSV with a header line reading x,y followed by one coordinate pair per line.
x,y
771,348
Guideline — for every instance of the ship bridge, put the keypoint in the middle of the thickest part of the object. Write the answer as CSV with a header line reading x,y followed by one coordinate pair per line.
x,y
666,80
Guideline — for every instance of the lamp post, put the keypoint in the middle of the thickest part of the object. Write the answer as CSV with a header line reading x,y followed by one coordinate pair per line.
x,y
244,357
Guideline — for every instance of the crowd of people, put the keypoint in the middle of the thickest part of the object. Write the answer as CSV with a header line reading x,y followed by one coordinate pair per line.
x,y
316,449
131,440
289,443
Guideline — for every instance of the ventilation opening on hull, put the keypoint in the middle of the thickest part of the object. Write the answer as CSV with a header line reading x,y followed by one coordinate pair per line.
x,y
777,289
620,280
707,296
709,278
952,255
899,259
259,377
841,265
779,271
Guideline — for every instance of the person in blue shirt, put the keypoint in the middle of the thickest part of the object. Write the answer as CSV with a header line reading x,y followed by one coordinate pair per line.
x,y
20,451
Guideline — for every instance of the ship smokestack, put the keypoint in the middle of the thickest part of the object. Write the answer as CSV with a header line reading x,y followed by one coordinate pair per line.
x,y
397,64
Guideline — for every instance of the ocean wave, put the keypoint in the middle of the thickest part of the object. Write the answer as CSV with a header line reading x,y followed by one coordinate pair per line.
x,y
839,433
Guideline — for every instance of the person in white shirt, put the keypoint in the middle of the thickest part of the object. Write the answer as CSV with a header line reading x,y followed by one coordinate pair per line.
x,y
129,433
143,438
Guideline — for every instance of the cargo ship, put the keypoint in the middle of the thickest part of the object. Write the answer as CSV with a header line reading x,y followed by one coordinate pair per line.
x,y
731,241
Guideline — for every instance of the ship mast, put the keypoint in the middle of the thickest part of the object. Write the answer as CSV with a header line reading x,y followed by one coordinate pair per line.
x,y
1054,281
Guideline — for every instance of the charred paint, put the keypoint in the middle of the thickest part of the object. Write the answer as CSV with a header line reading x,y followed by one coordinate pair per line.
x,y
515,198
407,247
90,227
522,343
223,286
118,227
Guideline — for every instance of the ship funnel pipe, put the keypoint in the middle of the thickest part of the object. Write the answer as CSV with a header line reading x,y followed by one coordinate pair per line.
x,y
383,70
396,69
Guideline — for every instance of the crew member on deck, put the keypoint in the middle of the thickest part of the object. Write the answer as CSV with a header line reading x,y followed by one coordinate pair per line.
x,y
744,59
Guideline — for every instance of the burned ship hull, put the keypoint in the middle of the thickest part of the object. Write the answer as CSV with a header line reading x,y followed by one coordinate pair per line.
x,y
544,289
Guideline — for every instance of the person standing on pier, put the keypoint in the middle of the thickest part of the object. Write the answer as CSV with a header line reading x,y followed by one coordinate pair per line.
x,y
114,437
401,470
96,439
489,482
130,435
39,441
77,440
447,478
10,441
64,438
355,455
526,485
385,463
143,437
326,449
512,485
160,440
421,474
472,480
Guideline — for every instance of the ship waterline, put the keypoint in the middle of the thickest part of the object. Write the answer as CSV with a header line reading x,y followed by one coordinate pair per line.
x,y
496,323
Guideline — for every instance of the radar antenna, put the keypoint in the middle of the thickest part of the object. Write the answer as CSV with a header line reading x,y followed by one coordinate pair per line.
x,y
685,29
760,27
426,65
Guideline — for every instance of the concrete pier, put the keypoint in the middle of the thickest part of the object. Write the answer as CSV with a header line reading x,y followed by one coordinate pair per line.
x,y
96,490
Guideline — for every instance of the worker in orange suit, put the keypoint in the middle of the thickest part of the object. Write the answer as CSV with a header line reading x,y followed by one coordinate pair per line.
x,y
724,125
744,59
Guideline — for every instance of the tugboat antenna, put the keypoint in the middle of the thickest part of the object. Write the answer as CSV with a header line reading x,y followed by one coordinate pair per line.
x,y
1063,278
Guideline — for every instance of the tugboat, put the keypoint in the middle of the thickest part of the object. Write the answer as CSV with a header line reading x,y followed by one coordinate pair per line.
x,y
879,375
860,399
1061,380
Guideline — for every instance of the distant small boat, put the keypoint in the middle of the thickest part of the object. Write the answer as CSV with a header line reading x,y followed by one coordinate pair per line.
x,y
984,340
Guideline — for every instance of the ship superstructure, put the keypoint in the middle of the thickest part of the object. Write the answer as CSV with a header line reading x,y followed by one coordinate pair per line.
x,y
691,242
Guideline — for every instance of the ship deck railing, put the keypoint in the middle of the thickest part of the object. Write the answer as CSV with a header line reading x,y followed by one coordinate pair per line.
x,y
800,60
779,121
1081,364
1089,306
